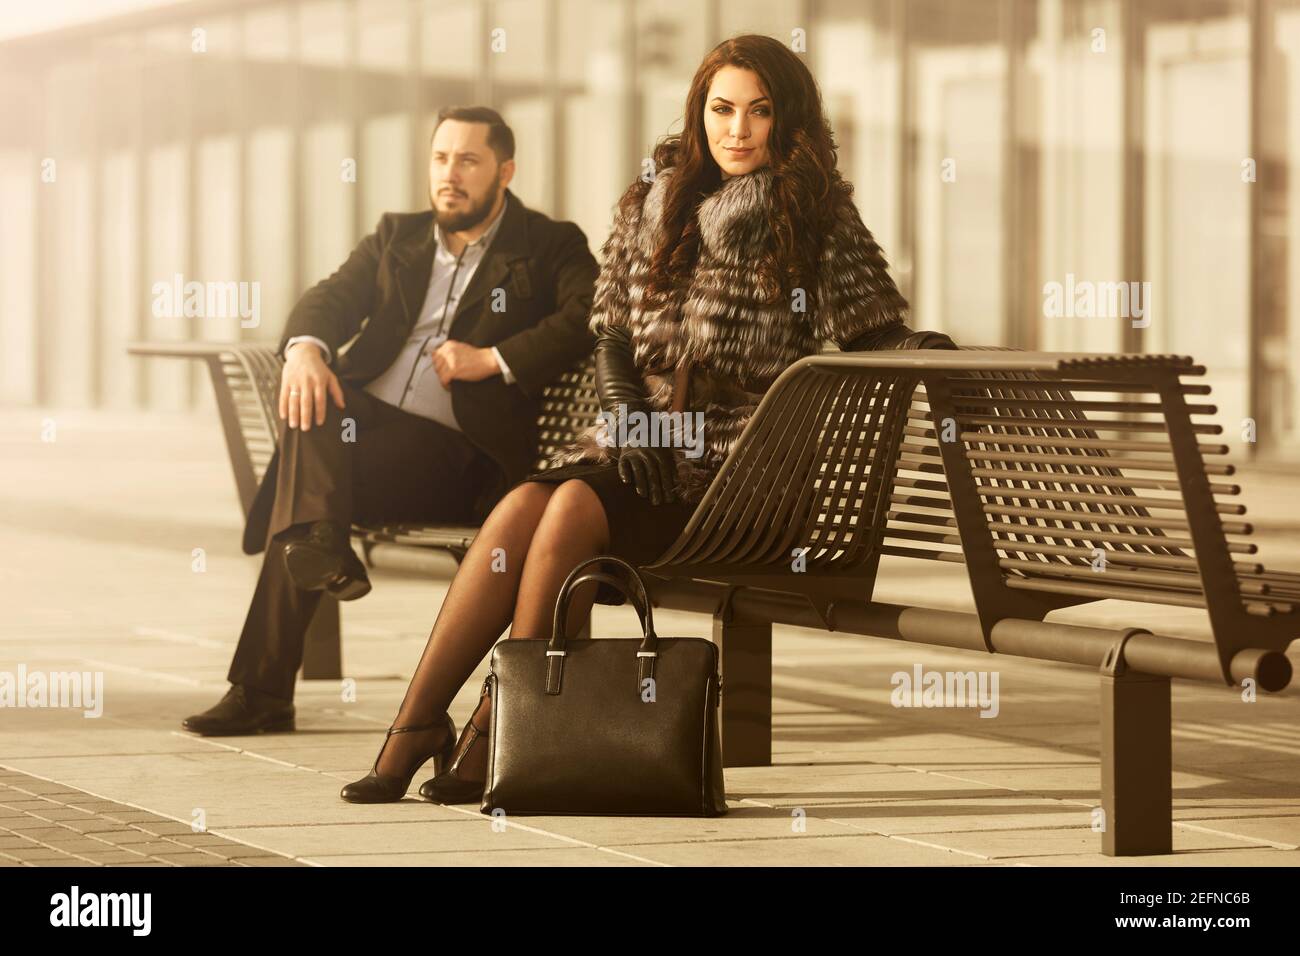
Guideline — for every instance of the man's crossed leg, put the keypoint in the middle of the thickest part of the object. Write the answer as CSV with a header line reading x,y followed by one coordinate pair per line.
x,y
369,463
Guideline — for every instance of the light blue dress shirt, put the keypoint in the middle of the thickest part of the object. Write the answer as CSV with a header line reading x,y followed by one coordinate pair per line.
x,y
411,383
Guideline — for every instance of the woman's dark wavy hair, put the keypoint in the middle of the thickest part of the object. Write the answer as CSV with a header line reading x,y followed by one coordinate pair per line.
x,y
808,191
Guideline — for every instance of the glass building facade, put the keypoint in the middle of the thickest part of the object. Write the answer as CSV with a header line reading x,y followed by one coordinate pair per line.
x,y
1092,175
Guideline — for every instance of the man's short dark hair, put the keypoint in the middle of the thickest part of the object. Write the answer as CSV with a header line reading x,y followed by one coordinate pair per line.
x,y
500,138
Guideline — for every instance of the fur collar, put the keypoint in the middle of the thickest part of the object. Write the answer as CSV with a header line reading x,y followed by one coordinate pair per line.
x,y
730,219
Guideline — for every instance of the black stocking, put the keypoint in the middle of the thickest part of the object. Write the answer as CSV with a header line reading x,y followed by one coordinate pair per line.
x,y
473,615
573,528
542,531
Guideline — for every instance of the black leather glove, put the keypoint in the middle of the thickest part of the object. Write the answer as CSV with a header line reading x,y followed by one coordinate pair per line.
x,y
621,392
898,336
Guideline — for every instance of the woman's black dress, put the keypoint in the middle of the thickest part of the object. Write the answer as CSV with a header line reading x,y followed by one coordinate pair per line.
x,y
639,531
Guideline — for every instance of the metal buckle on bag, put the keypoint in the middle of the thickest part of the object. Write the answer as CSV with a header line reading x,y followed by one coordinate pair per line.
x,y
556,654
647,653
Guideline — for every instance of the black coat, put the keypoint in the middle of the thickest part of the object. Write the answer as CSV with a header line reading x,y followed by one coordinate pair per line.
x,y
371,303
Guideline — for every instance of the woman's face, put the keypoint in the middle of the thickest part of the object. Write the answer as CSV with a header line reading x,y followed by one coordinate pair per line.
x,y
737,121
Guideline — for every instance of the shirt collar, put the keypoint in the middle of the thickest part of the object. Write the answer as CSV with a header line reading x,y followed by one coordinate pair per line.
x,y
482,241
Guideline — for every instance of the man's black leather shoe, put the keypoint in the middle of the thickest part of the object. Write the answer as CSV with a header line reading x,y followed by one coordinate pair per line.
x,y
244,710
323,560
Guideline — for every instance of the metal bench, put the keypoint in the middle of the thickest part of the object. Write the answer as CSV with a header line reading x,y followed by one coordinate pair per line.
x,y
986,458
981,457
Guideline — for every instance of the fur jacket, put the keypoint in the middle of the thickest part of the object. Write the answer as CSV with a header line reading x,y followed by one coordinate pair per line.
x,y
737,344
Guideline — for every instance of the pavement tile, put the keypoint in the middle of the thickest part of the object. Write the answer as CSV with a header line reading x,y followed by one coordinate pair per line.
x,y
812,789
91,825
37,854
115,857
266,861
944,815
78,845
44,832
156,847
1251,857
49,789
165,827
740,822
190,859
63,813
542,857
1278,771
28,823
132,838
235,851
979,757
1270,829
1026,844
197,839
334,840
132,816
805,850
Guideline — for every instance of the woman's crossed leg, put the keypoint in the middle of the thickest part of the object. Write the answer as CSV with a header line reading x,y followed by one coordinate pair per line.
x,y
511,573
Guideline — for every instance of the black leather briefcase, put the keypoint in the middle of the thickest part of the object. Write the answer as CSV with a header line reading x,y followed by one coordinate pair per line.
x,y
609,726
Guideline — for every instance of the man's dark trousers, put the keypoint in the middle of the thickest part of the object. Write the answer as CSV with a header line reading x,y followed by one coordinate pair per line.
x,y
397,467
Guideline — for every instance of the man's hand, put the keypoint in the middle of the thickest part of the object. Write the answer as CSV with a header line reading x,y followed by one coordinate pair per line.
x,y
457,360
304,384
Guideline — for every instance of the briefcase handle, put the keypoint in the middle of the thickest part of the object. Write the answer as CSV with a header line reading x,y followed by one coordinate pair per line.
x,y
639,599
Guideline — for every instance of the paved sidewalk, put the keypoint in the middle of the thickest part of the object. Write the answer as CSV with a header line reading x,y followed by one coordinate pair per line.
x,y
43,823
101,530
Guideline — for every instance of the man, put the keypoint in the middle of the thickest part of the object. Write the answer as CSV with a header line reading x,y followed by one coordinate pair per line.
x,y
410,393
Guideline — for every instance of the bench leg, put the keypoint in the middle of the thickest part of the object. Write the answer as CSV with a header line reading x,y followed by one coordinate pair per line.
x,y
322,654
746,654
1136,765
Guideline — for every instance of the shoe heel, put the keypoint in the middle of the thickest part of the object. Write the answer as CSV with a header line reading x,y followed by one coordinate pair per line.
x,y
442,759
374,788
282,726
353,589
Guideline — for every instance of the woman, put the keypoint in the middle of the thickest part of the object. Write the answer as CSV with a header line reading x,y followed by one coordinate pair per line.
x,y
742,253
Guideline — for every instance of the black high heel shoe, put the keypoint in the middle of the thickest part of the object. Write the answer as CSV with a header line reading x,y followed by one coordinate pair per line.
x,y
450,786
383,788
